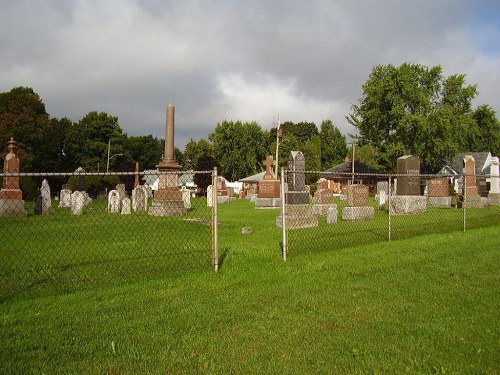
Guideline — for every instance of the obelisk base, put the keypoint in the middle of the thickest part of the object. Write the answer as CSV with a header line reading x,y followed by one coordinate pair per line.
x,y
167,202
12,207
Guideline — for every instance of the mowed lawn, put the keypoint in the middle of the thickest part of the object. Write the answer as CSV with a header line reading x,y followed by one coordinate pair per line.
x,y
429,304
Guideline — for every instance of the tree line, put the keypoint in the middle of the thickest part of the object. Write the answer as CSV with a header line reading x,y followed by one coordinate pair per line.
x,y
409,109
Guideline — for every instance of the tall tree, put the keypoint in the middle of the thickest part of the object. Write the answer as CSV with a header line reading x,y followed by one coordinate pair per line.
x,y
488,129
194,150
333,145
87,141
413,109
145,149
23,116
239,148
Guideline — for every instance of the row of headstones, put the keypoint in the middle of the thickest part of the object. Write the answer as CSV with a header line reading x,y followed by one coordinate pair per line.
x,y
76,201
118,202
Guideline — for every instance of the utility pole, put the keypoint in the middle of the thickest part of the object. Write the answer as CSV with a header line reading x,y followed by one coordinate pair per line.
x,y
278,136
352,168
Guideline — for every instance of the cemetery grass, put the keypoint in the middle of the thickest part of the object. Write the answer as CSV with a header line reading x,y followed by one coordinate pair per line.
x,y
427,304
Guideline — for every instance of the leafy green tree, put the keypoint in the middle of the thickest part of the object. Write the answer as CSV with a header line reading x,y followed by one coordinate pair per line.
x,y
366,154
239,148
488,129
333,145
413,109
303,131
194,150
145,149
23,116
205,163
87,141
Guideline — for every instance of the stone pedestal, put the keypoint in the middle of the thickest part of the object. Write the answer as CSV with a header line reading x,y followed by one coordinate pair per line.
x,y
439,201
298,216
297,197
167,208
408,204
12,207
322,209
473,201
358,213
267,202
494,199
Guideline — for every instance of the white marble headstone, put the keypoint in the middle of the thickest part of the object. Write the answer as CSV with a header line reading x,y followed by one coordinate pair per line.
x,y
126,206
114,201
210,198
77,203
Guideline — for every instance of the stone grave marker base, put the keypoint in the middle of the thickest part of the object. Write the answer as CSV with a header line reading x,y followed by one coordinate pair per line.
x,y
298,216
267,202
167,208
439,201
12,207
358,213
322,209
408,204
494,199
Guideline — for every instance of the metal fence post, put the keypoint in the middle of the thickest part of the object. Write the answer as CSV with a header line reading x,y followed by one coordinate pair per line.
x,y
215,234
283,215
464,202
389,210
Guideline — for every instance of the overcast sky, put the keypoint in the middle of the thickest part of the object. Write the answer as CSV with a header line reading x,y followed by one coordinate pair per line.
x,y
235,59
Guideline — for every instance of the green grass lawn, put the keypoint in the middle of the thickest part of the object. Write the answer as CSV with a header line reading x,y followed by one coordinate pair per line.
x,y
423,305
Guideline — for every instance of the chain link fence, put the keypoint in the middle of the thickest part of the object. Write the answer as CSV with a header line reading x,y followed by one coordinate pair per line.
x,y
346,209
88,228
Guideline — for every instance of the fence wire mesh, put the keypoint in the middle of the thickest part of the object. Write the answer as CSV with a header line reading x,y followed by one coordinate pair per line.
x,y
338,210
78,234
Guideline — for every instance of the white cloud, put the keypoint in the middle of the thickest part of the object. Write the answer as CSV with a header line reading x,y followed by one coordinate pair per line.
x,y
263,97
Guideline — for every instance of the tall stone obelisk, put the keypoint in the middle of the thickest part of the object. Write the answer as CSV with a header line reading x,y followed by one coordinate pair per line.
x,y
11,197
168,198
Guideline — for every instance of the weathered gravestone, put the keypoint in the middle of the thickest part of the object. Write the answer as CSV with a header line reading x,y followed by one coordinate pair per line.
x,y
323,198
494,193
297,193
210,196
80,179
114,202
65,198
298,212
120,188
77,202
470,197
408,199
269,188
140,199
222,193
11,197
126,206
438,192
358,207
382,193
43,202
186,197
